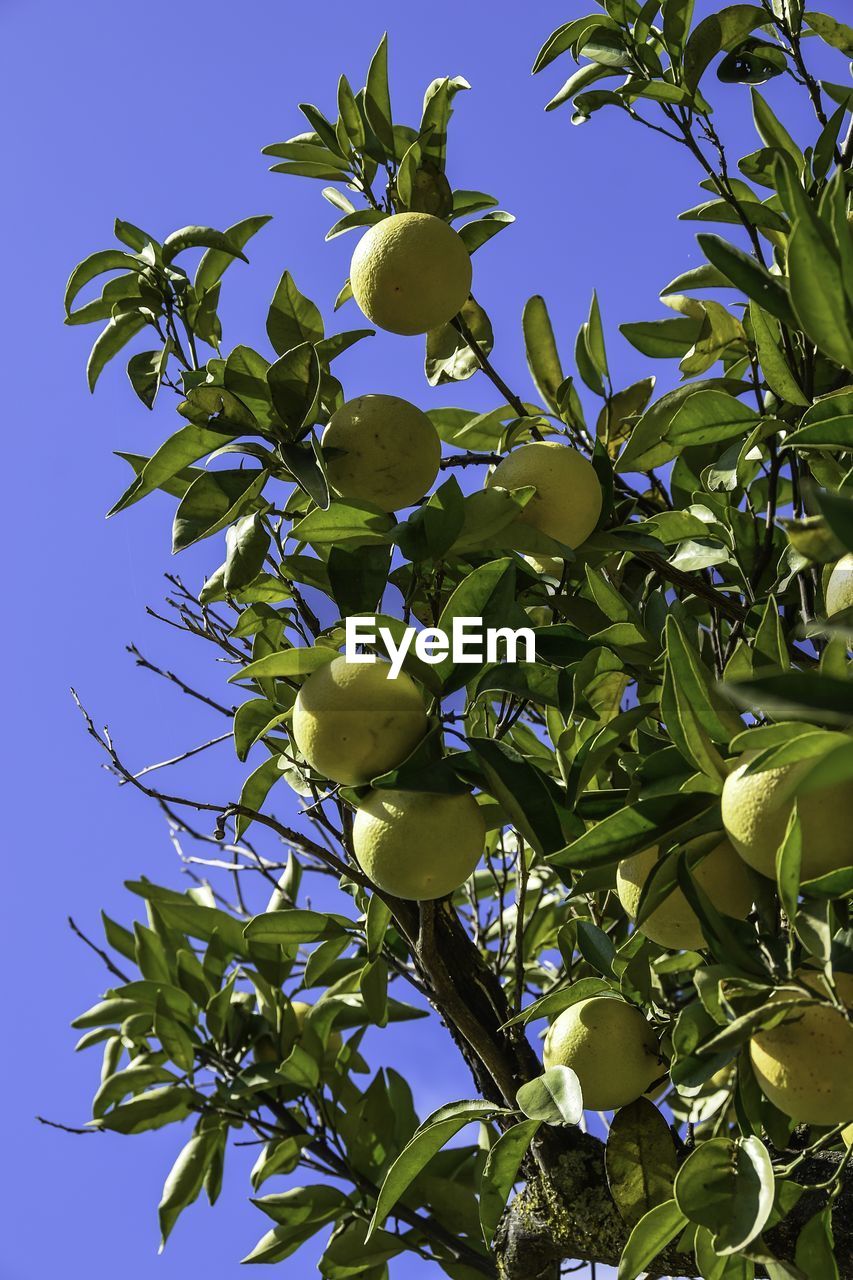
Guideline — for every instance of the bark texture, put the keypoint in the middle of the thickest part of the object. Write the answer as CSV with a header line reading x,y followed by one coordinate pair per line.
x,y
565,1213
573,1217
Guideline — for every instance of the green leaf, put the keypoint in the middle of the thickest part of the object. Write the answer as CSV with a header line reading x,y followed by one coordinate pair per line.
x,y
291,927
170,461
777,373
348,1248
749,276
564,38
500,1173
377,99
487,594
252,720
789,859
355,220
316,1204
652,1234
836,33
525,794
475,234
294,383
677,16
708,417
145,371
96,264
151,1110
218,409
556,1001
632,829
721,31
280,1243
213,501
448,357
815,1251
277,1157
435,118
435,1132
543,359
245,377
433,529
215,262
247,543
772,132
359,523
640,1160
185,1180
827,424
801,695
255,791
199,238
662,339
110,341
307,467
727,1186
288,664
817,290
292,318
553,1098
134,1079
695,679
358,577
350,115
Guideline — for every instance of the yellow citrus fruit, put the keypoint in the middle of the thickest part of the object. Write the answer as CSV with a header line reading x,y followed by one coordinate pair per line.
x,y
552,565
839,588
390,451
351,721
567,501
756,809
611,1048
418,845
804,1064
847,1136
722,877
410,273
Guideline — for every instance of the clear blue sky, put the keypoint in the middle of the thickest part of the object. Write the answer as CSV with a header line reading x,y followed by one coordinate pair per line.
x,y
157,114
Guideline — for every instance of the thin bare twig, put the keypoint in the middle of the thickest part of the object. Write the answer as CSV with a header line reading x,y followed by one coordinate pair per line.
x,y
103,955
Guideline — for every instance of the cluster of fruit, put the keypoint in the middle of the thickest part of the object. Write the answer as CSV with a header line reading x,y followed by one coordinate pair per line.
x,y
411,273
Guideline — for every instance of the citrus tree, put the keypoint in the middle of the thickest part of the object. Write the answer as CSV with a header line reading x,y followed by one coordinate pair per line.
x,y
636,839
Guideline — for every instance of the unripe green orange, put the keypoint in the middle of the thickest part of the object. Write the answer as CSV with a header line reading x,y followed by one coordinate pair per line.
x,y
411,273
390,451
351,721
839,587
804,1064
301,1010
722,877
756,809
567,501
611,1048
418,845
267,1051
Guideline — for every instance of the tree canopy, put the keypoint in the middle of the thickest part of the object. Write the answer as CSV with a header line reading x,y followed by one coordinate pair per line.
x,y
657,804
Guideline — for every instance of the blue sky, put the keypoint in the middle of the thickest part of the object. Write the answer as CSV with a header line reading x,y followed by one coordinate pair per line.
x,y
158,116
